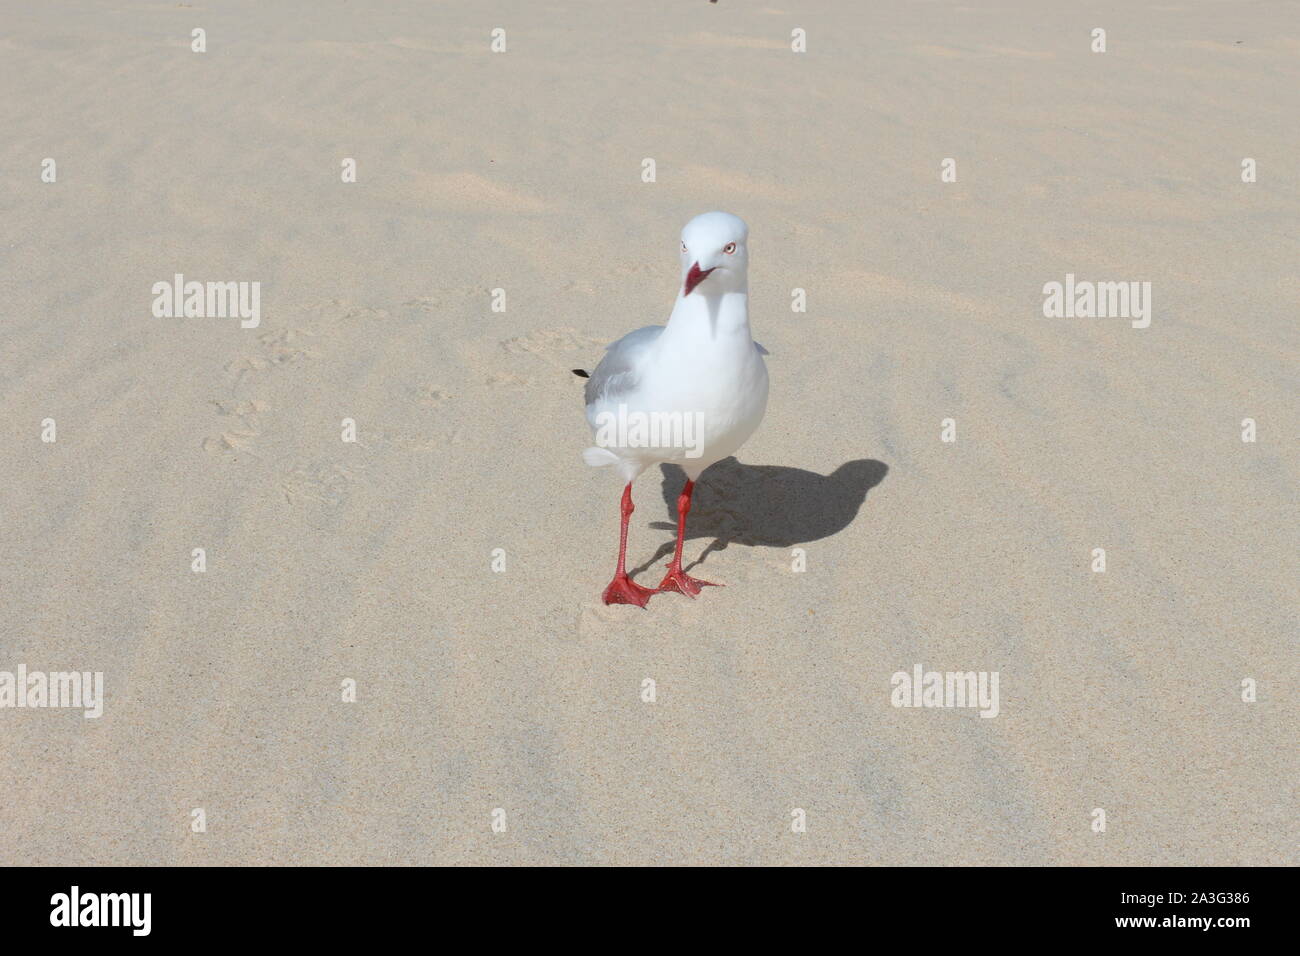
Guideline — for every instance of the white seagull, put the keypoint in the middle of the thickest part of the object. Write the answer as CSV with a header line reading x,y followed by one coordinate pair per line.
x,y
690,392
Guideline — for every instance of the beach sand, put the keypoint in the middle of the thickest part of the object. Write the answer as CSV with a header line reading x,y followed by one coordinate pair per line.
x,y
479,689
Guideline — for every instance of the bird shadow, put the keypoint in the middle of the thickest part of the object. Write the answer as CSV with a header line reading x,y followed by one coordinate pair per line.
x,y
766,505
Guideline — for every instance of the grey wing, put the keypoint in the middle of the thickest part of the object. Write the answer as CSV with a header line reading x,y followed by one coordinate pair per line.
x,y
761,350
617,372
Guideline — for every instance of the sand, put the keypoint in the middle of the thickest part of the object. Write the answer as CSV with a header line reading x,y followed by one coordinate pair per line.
x,y
372,561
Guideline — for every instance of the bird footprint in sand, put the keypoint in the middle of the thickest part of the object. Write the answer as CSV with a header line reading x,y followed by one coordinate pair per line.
x,y
237,437
324,484
542,341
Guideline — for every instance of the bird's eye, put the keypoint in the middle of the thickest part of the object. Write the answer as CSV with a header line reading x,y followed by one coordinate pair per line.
x,y
683,245
729,248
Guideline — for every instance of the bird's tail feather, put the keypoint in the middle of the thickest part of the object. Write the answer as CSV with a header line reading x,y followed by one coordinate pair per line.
x,y
598,457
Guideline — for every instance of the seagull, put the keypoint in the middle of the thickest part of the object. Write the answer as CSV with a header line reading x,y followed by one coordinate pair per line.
x,y
690,392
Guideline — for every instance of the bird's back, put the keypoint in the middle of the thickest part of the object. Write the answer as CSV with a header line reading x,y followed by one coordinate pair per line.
x,y
618,373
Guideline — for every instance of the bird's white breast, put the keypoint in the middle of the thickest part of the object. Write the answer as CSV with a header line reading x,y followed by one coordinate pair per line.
x,y
715,373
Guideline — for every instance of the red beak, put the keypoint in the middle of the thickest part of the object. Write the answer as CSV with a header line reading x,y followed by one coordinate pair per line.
x,y
695,277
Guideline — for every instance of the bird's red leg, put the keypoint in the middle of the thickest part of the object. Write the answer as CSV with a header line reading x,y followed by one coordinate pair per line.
x,y
623,590
676,579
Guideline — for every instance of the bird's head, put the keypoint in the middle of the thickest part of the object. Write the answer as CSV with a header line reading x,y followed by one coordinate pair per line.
x,y
715,257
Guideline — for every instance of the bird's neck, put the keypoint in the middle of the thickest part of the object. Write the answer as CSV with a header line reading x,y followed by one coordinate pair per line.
x,y
699,321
